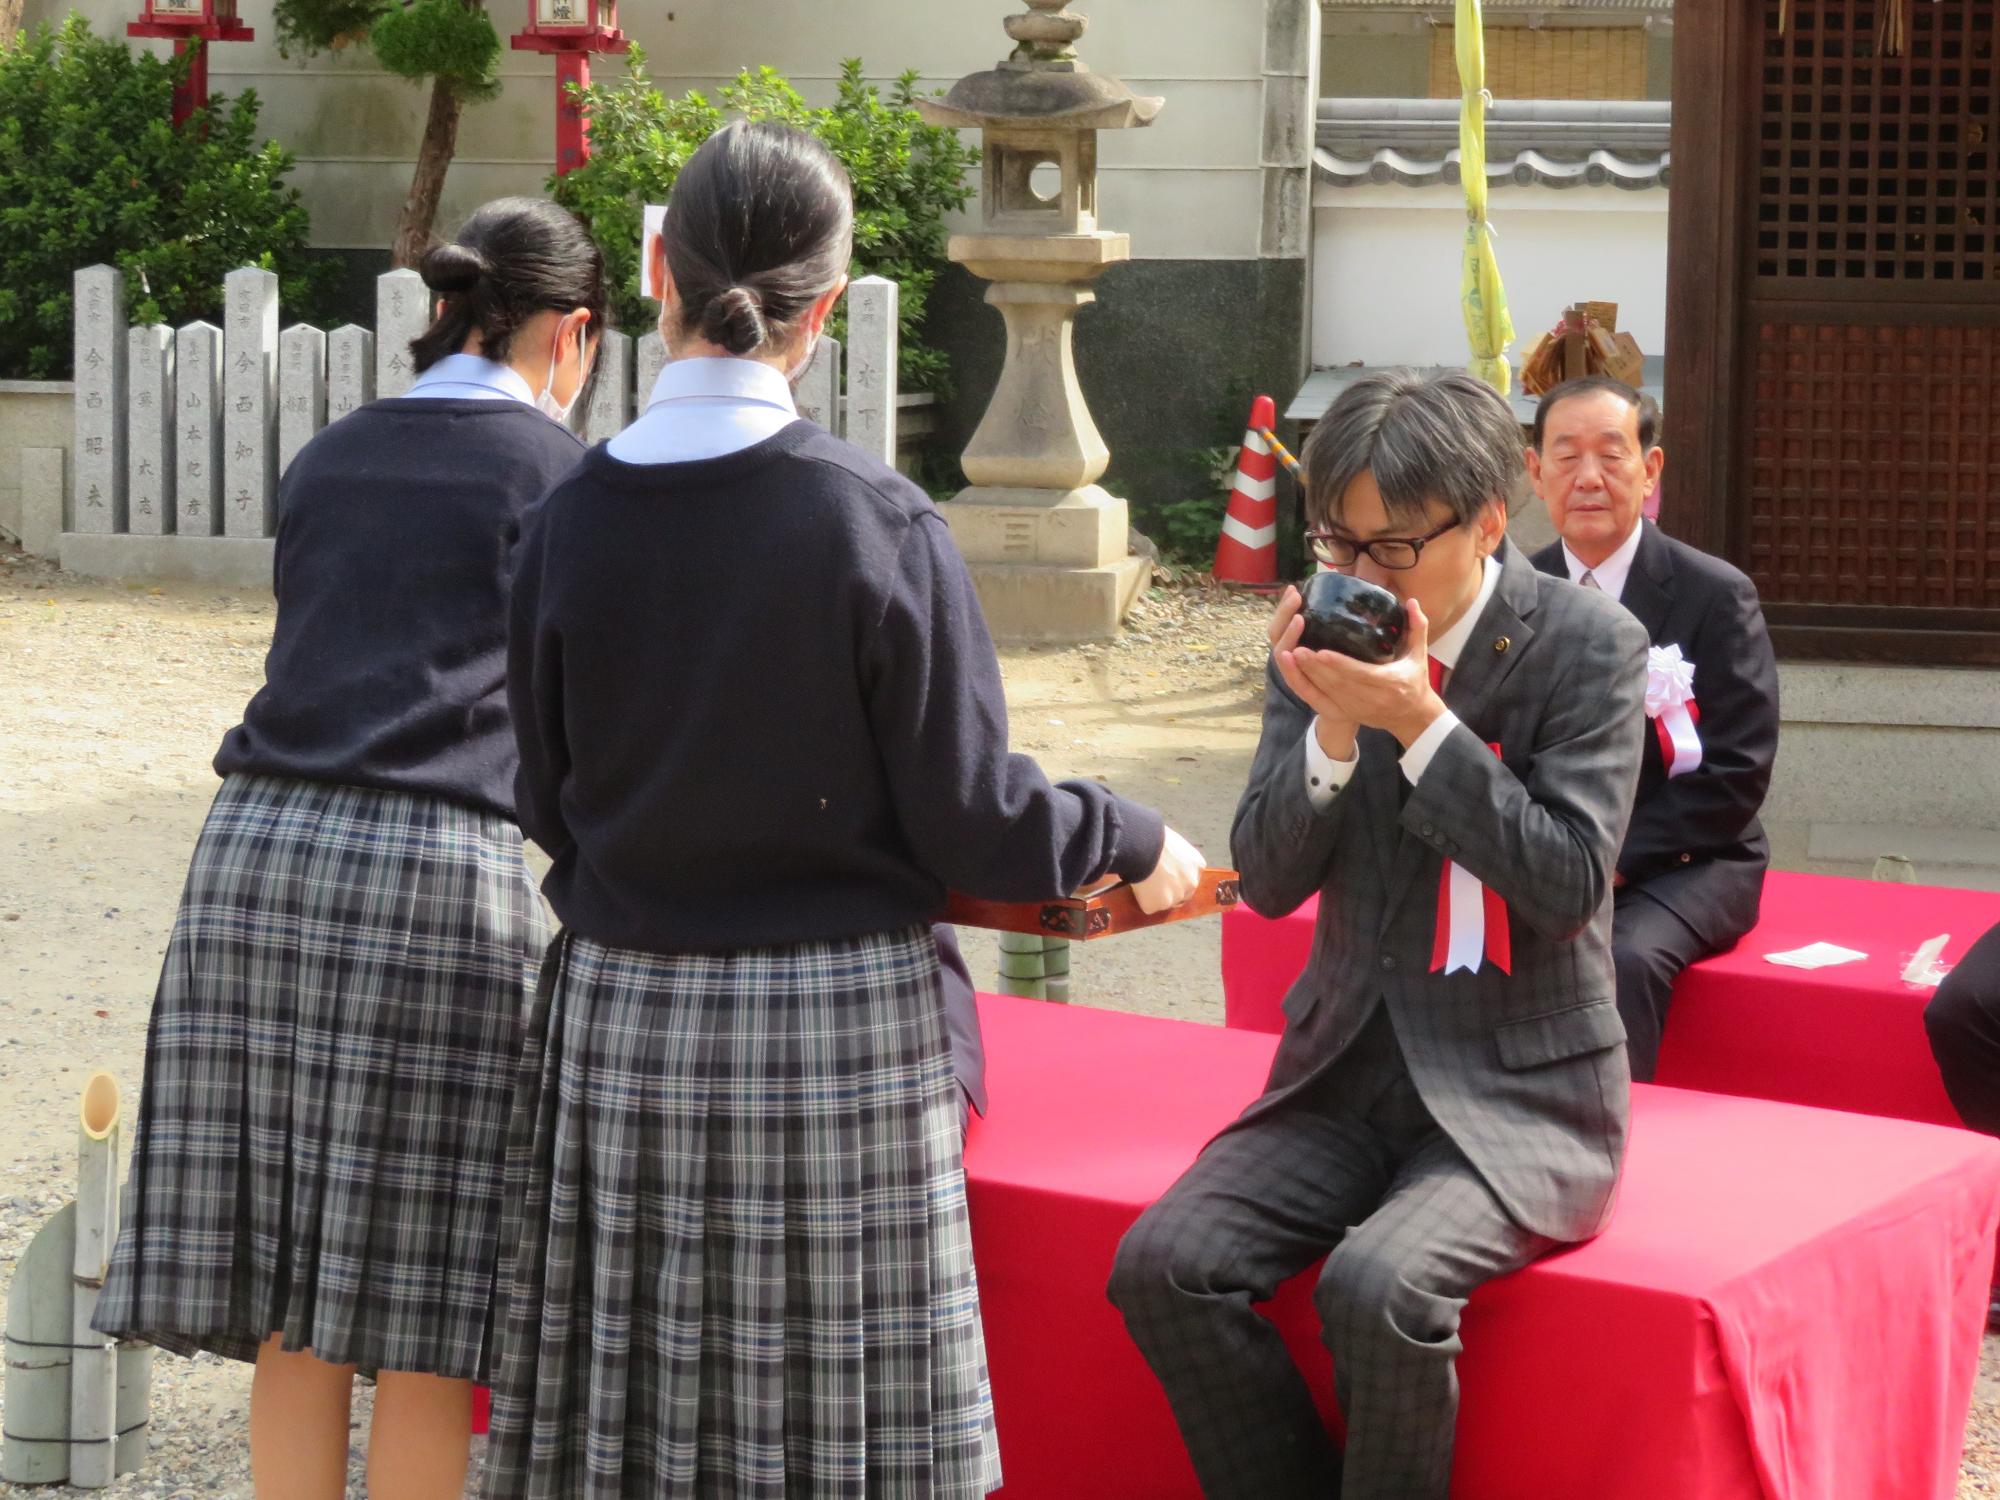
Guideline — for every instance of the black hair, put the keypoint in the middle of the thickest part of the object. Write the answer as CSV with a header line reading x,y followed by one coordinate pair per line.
x,y
760,226
1584,385
1447,437
512,259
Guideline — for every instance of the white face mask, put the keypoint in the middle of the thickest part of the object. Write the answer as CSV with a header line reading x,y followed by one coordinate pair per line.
x,y
797,372
546,402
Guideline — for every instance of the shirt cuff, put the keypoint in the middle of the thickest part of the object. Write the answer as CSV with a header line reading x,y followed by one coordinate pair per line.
x,y
1325,776
1417,759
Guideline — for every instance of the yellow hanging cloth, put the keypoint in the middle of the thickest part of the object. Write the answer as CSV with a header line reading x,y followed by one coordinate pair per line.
x,y
1489,329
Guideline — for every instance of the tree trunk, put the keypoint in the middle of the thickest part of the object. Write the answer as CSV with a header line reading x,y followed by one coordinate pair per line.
x,y
440,144
10,19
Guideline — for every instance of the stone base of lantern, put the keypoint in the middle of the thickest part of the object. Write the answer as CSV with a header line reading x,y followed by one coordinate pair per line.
x,y
1083,528
1050,565
1027,604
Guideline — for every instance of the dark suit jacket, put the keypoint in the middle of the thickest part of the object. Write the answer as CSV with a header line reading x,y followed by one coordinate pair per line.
x,y
1695,844
1525,1071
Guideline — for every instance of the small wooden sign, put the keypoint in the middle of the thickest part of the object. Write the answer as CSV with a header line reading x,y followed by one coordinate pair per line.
x,y
1104,912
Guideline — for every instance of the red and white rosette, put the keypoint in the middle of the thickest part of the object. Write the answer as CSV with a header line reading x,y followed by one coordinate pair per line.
x,y
1670,705
1471,923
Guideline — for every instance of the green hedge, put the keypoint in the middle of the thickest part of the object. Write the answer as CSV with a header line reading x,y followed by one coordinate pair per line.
x,y
907,177
91,171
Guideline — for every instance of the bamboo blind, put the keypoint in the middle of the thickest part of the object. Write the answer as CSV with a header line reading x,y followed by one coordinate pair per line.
x,y
1593,62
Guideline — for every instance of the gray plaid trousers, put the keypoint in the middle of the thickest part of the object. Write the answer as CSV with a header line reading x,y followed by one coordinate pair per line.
x,y
1353,1164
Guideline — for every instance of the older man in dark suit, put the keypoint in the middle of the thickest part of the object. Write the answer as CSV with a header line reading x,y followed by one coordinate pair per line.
x,y
1449,1099
1691,874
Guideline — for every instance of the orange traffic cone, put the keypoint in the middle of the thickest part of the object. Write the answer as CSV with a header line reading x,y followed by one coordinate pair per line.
x,y
1247,550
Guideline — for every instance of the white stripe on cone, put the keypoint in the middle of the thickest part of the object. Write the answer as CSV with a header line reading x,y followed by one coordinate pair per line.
x,y
1256,489
1254,441
1252,537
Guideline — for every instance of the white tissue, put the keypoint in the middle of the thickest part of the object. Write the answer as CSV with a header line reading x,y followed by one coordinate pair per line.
x,y
1923,967
1815,956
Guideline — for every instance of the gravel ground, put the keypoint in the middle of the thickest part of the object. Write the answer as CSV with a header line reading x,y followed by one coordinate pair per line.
x,y
111,703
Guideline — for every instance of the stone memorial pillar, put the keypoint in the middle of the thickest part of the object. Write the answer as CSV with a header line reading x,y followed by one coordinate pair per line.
x,y
610,410
872,343
402,311
818,393
350,370
1045,544
149,445
652,359
99,461
301,390
250,402
198,430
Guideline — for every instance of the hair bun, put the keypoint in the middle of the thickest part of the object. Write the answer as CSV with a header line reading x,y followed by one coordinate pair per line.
x,y
453,267
735,320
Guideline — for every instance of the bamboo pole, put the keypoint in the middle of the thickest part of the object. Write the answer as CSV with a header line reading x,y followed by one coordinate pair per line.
x,y
93,1368
35,1449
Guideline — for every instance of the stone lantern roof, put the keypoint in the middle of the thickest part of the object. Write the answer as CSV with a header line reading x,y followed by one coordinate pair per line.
x,y
1043,84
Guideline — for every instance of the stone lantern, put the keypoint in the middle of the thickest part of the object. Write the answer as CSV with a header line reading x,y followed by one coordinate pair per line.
x,y
1045,543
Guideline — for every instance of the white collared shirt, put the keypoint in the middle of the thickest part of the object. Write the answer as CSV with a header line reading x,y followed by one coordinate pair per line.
x,y
1326,776
471,377
707,408
1614,570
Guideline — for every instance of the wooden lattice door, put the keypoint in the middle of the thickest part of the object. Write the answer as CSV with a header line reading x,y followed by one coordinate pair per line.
x,y
1853,437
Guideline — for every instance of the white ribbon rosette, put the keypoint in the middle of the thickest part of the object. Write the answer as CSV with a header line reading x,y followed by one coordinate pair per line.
x,y
1670,705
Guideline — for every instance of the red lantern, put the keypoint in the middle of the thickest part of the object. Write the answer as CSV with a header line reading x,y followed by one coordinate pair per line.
x,y
572,30
185,23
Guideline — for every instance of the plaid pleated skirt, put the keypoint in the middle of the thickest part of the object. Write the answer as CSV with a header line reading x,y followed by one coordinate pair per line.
x,y
330,1066
744,1262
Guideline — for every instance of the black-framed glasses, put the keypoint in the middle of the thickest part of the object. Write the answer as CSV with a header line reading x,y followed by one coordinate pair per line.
x,y
1392,552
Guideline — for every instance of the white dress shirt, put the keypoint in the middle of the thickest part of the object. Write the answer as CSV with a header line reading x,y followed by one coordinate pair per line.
x,y
1326,776
708,408
471,377
1613,571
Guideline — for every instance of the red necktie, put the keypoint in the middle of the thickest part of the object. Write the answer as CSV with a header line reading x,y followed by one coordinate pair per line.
x,y
1437,676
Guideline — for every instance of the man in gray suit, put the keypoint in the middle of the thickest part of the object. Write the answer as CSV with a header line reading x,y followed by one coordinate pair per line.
x,y
1449,1099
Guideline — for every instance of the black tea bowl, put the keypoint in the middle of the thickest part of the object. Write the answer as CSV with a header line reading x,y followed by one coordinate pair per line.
x,y
1352,616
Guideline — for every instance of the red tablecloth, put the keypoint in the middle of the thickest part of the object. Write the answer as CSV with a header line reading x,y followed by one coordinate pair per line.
x,y
1261,956
1787,1306
1850,1037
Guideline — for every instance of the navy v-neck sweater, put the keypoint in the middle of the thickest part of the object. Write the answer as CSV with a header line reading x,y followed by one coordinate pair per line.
x,y
757,704
387,666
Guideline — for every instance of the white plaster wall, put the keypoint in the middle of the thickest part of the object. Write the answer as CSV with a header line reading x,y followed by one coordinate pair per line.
x,y
1386,267
1188,187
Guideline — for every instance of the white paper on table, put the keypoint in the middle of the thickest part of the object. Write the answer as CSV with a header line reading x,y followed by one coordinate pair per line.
x,y
1923,967
656,221
1815,956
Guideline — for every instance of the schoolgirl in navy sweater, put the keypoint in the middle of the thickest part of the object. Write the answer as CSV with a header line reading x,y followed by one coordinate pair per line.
x,y
317,1176
762,732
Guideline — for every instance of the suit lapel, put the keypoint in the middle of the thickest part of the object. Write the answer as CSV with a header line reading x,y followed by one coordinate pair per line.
x,y
1494,648
1483,666
1648,587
